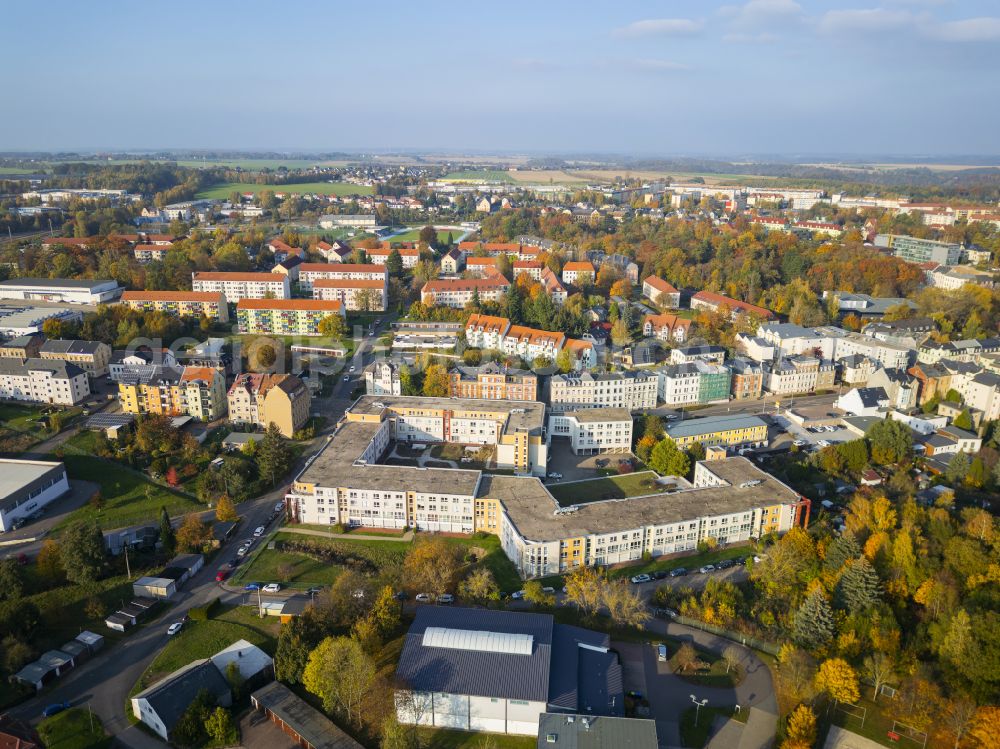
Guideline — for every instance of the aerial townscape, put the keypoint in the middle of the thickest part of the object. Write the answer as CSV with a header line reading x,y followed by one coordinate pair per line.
x,y
568,378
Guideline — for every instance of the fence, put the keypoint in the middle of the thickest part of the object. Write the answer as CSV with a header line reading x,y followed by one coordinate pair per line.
x,y
744,639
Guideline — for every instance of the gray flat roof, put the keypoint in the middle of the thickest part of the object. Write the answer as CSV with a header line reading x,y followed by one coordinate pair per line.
x,y
532,509
593,415
334,466
15,474
66,283
596,732
692,427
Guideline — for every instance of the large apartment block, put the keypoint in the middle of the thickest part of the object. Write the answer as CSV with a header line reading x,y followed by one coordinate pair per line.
x,y
632,391
458,292
285,316
594,430
730,501
43,381
309,273
356,294
155,390
660,292
492,382
917,250
180,303
204,392
486,331
237,286
798,374
694,382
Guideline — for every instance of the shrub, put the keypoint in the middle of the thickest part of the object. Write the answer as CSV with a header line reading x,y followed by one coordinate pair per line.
x,y
206,612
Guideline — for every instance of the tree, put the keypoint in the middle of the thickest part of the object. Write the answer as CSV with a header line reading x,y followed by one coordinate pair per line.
x,y
986,726
436,384
479,586
963,421
385,612
797,670
266,356
49,562
858,588
428,235
958,468
958,640
189,730
394,263
841,551
838,679
813,626
225,511
220,727
564,361
685,657
332,326
732,655
585,589
83,551
274,459
891,441
959,718
296,640
620,335
11,579
800,731
168,540
397,736
878,668
431,565
668,460
171,477
535,593
625,606
193,535
340,673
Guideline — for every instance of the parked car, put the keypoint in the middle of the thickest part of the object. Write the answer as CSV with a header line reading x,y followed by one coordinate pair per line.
x,y
446,598
548,589
174,628
242,551
55,709
823,443
555,475
251,586
671,613
798,443
678,572
517,595
280,507
661,653
221,575
313,591
725,564
671,417
259,531
707,568
639,579
422,598
272,587
601,462
351,369
659,574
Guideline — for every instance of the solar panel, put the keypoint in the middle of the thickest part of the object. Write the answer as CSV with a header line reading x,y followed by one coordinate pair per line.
x,y
104,421
471,639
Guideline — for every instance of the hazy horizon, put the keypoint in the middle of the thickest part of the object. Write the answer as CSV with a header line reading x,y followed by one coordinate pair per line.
x,y
905,78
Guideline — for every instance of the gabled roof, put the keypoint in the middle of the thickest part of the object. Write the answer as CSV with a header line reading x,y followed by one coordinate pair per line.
x,y
172,695
71,347
660,285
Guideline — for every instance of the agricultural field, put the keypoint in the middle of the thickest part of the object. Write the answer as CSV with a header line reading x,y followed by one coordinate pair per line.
x,y
479,175
608,487
320,188
249,165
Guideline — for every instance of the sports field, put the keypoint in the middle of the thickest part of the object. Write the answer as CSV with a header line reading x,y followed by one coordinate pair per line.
x,y
414,234
321,188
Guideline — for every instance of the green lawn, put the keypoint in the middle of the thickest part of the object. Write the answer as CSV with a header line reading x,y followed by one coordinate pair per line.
x,y
20,427
321,188
75,728
442,738
479,175
204,639
128,497
876,725
414,234
696,735
609,487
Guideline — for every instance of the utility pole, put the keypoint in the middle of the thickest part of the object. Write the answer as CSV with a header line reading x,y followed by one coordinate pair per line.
x,y
128,567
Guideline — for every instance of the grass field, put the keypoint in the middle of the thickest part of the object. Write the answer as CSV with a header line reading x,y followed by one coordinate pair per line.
x,y
479,175
414,234
75,728
609,487
205,639
442,738
20,427
128,497
321,188
18,170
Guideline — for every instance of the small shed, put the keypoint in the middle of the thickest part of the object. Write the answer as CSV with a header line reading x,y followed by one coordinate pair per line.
x,y
187,565
295,606
76,649
155,587
50,665
120,622
237,440
91,640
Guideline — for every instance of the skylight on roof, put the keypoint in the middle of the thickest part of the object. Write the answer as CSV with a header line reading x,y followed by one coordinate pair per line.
x,y
471,639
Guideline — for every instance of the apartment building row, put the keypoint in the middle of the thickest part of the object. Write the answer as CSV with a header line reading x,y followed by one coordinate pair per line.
x,y
237,286
497,333
265,399
39,380
212,305
199,392
632,391
459,292
730,500
293,317
90,356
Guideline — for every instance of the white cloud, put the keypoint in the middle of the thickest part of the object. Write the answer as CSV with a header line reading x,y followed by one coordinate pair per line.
x,y
660,27
869,20
756,13
984,29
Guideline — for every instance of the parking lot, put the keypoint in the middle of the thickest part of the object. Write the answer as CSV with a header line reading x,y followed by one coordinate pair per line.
x,y
812,438
577,467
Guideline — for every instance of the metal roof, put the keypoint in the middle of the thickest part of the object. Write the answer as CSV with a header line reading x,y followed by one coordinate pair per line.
x,y
470,639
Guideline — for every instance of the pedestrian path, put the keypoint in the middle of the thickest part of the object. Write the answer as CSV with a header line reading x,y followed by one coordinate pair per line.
x,y
406,537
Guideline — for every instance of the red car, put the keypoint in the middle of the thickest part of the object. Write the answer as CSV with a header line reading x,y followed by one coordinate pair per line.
x,y
221,575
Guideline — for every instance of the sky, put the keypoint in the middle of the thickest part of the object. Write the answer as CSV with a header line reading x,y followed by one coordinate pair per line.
x,y
673,77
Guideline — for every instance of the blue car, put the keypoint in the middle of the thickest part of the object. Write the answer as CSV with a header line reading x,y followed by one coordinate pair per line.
x,y
55,709
251,586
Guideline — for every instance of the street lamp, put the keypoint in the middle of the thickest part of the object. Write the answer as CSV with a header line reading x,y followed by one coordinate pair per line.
x,y
697,707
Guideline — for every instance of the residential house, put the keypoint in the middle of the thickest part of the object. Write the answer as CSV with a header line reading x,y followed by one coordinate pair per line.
x,y
289,267
713,302
336,251
796,375
694,382
898,385
856,370
747,381
382,378
553,287
285,316
711,354
204,392
23,347
459,292
453,262
265,399
486,331
138,360
492,381
156,390
90,356
866,401
756,347
594,430
634,391
666,327
579,273
661,293
531,344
